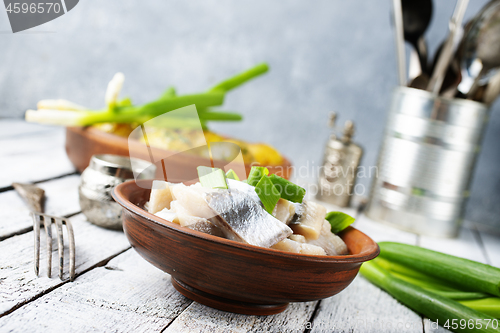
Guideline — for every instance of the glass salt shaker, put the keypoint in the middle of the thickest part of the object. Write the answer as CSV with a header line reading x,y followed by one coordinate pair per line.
x,y
340,163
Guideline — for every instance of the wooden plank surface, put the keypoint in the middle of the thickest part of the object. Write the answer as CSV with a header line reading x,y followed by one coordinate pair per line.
x,y
19,283
43,165
363,307
61,200
17,127
32,153
200,318
32,142
491,245
126,295
381,232
466,245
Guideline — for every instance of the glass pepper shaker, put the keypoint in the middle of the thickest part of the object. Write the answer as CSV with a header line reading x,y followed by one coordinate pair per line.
x,y
337,175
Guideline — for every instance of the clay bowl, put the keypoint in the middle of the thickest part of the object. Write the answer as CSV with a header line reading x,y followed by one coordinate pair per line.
x,y
233,276
83,142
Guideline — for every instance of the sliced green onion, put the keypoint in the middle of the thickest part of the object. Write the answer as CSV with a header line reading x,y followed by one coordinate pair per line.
x,y
427,303
287,189
169,93
232,175
241,78
256,174
427,282
267,193
212,177
490,305
394,267
220,116
436,288
339,221
468,274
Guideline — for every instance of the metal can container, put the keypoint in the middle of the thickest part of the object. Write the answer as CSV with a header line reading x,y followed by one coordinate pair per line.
x,y
426,161
97,182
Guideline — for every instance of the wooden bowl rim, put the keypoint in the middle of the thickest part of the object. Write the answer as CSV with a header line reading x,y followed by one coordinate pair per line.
x,y
93,133
370,251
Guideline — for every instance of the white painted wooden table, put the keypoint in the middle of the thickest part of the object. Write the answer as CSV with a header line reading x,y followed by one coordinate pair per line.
x,y
117,291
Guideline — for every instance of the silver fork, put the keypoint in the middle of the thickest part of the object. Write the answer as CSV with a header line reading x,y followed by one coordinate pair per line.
x,y
47,220
35,199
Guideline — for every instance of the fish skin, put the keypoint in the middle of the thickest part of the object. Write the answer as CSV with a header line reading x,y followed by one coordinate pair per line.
x,y
245,188
206,227
241,219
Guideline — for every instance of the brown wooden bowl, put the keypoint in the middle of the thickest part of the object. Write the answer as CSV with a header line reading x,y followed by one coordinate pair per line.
x,y
83,142
233,276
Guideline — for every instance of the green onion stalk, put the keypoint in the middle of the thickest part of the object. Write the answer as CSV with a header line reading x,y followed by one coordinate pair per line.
x,y
428,303
69,114
437,285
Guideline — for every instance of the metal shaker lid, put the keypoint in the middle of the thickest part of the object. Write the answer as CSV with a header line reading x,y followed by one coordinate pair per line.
x,y
120,166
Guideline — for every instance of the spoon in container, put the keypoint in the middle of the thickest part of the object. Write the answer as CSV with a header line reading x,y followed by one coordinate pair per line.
x,y
417,15
492,90
399,37
446,55
481,49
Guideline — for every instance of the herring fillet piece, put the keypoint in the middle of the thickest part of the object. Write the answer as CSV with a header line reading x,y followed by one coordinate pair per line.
x,y
310,220
284,211
289,245
244,188
160,197
331,243
243,220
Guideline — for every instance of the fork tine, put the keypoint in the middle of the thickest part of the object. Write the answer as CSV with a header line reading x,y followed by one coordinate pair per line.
x,y
60,246
36,229
71,237
47,222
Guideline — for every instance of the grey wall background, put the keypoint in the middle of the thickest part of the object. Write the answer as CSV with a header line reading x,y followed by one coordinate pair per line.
x,y
324,55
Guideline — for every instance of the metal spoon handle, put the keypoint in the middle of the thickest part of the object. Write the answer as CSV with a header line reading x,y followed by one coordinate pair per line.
x,y
446,54
421,46
493,89
400,42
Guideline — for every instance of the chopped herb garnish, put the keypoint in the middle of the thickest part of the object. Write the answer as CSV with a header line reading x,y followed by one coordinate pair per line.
x,y
267,193
339,221
232,175
256,174
287,189
212,177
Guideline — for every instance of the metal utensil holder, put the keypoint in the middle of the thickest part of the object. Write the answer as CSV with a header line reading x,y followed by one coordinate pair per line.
x,y
426,161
